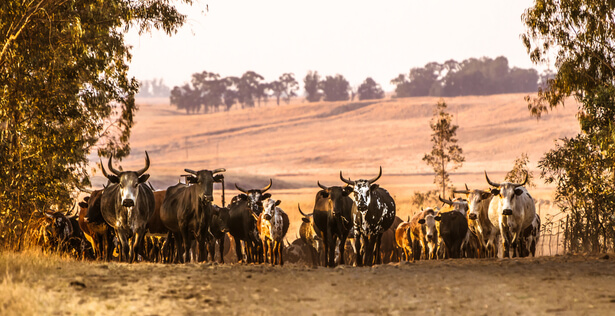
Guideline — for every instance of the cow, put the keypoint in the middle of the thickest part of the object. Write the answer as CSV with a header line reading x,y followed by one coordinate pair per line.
x,y
244,211
126,205
469,244
373,213
218,229
332,217
453,232
424,234
274,224
63,233
531,235
389,251
187,209
308,234
94,227
402,239
478,219
513,209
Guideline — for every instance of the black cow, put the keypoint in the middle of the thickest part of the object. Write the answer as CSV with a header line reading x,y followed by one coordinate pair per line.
x,y
218,229
373,213
187,210
333,218
94,227
244,211
453,230
64,234
126,205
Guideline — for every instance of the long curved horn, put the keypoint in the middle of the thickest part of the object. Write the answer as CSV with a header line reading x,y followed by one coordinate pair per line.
x,y
218,170
142,171
300,211
190,171
102,166
449,202
110,166
346,181
263,190
376,178
466,187
240,189
524,181
493,184
322,186
462,191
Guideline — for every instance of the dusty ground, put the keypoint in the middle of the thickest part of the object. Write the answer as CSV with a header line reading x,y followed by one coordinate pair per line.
x,y
568,285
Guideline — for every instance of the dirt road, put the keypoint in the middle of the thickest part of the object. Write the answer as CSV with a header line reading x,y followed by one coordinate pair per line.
x,y
574,285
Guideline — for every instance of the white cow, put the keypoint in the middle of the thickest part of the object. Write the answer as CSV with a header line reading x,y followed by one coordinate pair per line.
x,y
512,209
273,227
478,220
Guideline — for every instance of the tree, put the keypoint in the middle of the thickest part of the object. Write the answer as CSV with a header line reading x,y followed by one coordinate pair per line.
x,y
286,86
312,86
153,88
445,149
335,88
65,92
370,90
580,36
520,170
248,88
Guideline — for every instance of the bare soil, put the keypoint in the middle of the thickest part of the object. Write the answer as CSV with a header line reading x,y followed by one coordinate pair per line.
x,y
568,285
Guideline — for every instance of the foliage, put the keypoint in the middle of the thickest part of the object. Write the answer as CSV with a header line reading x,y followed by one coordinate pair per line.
x,y
370,90
473,76
580,36
335,88
311,84
445,149
520,170
64,92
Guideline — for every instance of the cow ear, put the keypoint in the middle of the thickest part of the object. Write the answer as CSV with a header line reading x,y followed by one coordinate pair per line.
x,y
374,186
218,178
113,178
347,190
495,191
265,196
422,221
277,202
518,192
305,220
143,178
324,194
191,179
83,204
242,196
437,218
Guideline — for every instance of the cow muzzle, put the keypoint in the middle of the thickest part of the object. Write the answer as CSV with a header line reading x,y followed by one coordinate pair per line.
x,y
128,203
472,216
507,212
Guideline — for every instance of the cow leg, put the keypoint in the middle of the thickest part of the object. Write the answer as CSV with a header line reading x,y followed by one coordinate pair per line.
x,y
369,245
358,254
342,248
377,253
187,244
331,251
281,251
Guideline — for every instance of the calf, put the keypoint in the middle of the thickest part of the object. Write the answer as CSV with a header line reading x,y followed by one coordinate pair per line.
x,y
218,229
424,234
308,234
274,226
531,235
402,239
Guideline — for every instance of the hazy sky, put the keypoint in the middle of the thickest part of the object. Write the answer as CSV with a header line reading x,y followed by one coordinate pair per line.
x,y
357,39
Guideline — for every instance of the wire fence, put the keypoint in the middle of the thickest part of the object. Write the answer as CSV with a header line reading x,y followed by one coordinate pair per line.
x,y
552,229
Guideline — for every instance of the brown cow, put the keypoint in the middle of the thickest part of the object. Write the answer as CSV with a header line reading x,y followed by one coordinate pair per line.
x,y
424,234
308,234
402,239
94,227
388,247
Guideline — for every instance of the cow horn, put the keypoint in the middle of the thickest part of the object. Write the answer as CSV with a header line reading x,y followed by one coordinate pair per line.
x,y
110,166
449,202
524,181
218,170
263,190
461,191
240,189
493,184
142,171
190,171
300,211
466,187
48,214
376,178
322,186
349,182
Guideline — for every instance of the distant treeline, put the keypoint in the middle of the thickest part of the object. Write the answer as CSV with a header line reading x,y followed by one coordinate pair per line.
x,y
472,76
484,76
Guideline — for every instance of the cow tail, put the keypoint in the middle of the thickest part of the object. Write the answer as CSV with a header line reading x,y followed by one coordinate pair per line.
x,y
223,202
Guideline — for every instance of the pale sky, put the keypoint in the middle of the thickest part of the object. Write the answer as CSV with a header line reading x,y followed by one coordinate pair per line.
x,y
357,39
